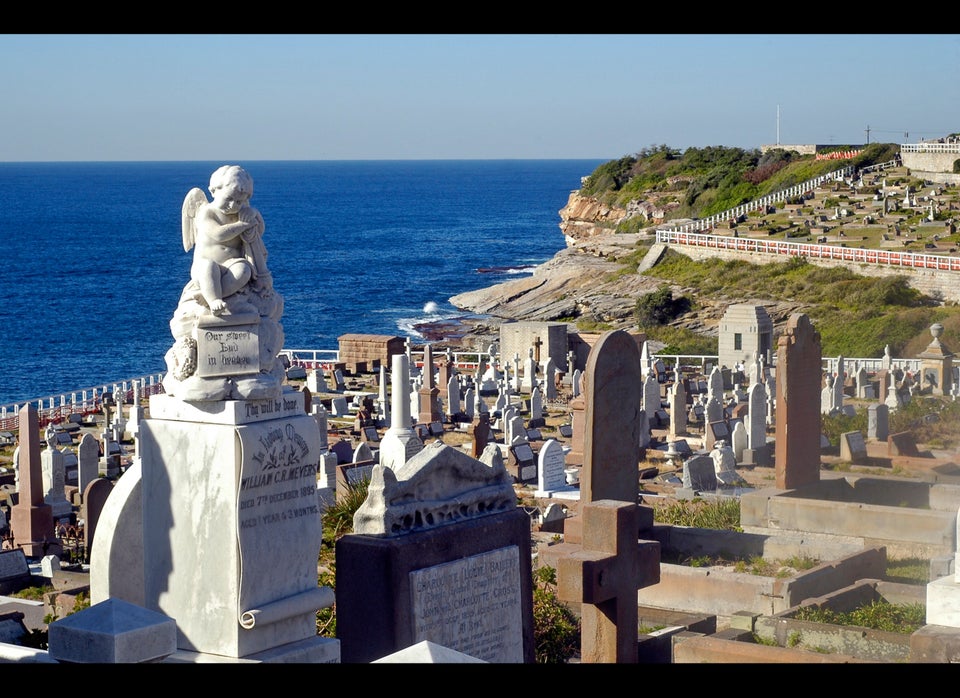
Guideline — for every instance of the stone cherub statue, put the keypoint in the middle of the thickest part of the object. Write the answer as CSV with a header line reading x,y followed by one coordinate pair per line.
x,y
227,237
226,326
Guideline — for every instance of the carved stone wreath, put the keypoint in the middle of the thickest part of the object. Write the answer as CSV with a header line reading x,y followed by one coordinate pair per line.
x,y
184,358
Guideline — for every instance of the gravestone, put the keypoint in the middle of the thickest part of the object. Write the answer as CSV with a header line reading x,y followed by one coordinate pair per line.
x,y
479,431
601,563
94,498
739,441
429,392
339,406
31,518
350,476
54,479
677,402
799,359
878,421
612,402
522,464
370,435
902,444
699,474
551,479
452,560
853,449
453,397
536,410
14,571
551,521
514,429
362,452
604,577
88,461
725,463
343,450
340,384
716,431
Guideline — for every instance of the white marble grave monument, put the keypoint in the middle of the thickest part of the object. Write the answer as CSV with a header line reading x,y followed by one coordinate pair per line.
x,y
227,499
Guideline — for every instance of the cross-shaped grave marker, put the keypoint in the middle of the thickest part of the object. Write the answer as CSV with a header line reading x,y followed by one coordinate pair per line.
x,y
604,576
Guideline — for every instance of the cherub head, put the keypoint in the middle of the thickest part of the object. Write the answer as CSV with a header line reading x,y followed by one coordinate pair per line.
x,y
231,187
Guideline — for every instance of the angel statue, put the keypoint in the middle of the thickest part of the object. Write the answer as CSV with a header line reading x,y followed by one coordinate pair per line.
x,y
230,288
227,237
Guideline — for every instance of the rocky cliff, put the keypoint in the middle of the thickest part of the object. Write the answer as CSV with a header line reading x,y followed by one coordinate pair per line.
x,y
585,217
585,282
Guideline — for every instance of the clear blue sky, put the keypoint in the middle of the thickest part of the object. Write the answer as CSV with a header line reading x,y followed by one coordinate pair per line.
x,y
428,96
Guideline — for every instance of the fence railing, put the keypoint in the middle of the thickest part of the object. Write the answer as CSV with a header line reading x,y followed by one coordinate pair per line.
x,y
58,408
930,148
890,258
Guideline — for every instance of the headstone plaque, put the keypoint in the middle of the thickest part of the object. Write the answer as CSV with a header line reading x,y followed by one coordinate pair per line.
x,y
853,448
14,570
526,464
227,349
720,431
471,605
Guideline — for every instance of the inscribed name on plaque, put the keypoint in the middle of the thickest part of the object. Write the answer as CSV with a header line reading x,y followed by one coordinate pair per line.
x,y
471,605
227,350
277,502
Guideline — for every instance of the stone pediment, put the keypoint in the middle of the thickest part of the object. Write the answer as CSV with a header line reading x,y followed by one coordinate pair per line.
x,y
437,486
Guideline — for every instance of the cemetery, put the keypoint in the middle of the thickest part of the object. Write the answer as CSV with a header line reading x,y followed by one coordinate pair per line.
x,y
206,498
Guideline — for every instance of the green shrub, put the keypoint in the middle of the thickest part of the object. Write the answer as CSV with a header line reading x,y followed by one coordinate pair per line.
x,y
556,628
659,307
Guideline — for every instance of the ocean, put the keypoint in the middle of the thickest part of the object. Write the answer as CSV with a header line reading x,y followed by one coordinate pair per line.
x,y
93,258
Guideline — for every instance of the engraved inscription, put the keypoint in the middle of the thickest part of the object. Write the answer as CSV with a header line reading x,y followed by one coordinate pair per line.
x,y
280,481
471,605
227,350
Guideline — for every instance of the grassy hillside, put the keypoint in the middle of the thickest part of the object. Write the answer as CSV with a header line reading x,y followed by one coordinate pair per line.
x,y
704,181
855,315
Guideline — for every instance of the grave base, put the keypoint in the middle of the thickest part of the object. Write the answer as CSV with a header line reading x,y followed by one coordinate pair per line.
x,y
943,602
318,650
219,496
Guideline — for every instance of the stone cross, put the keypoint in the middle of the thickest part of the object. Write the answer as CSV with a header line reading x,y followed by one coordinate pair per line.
x,y
604,576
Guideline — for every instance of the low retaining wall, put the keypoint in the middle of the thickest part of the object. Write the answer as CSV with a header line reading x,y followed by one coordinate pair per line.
x,y
829,508
724,592
863,643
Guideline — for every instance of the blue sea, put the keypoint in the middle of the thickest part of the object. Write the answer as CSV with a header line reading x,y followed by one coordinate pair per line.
x,y
93,258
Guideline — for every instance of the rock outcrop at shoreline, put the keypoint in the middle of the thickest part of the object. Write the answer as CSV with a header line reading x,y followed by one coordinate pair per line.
x,y
581,281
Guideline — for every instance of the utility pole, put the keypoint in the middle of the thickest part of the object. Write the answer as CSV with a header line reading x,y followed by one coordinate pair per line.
x,y
778,124
868,134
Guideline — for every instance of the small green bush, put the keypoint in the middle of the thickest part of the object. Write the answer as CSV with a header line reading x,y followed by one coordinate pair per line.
x,y
556,628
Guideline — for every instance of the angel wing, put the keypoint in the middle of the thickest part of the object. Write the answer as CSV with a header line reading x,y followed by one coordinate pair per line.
x,y
195,199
